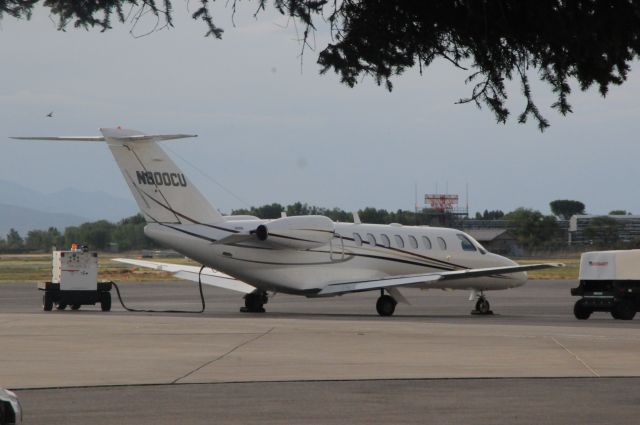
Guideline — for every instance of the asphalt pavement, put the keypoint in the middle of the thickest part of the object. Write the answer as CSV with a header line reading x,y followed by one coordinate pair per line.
x,y
319,360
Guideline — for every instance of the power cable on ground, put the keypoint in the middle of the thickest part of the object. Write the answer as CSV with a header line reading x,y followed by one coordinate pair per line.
x,y
136,310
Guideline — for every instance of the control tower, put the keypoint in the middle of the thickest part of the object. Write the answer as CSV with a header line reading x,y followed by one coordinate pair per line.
x,y
443,210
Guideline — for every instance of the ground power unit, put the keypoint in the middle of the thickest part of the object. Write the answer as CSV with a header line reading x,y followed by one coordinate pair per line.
x,y
75,282
609,281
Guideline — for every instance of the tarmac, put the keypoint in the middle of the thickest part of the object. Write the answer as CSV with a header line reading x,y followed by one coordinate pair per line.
x,y
319,360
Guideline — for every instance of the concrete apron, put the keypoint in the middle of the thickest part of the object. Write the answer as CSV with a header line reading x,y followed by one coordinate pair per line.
x,y
61,350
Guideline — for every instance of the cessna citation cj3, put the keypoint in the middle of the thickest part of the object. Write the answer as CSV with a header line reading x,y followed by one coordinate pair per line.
x,y
303,255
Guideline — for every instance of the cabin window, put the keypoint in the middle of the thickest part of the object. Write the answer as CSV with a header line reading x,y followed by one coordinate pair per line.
x,y
371,239
357,239
385,240
466,243
413,242
442,243
399,241
427,243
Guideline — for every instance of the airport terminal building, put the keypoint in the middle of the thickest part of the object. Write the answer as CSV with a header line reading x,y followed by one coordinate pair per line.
x,y
591,229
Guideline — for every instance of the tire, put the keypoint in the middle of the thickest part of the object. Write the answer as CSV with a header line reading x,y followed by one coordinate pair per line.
x,y
7,415
75,307
255,302
61,306
251,302
47,302
483,306
386,305
623,310
105,301
581,311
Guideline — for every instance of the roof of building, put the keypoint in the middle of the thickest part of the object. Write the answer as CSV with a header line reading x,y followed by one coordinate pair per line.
x,y
486,235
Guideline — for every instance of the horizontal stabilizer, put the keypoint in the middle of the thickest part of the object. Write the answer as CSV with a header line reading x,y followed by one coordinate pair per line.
x,y
153,137
134,138
161,189
63,138
208,277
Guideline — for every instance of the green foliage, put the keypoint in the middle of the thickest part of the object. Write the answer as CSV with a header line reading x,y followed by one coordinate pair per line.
x,y
128,234
376,216
14,241
367,215
490,215
591,42
96,235
619,212
565,208
603,230
44,240
266,211
531,228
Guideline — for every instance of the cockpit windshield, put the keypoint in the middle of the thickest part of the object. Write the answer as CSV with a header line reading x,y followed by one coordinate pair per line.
x,y
477,244
466,244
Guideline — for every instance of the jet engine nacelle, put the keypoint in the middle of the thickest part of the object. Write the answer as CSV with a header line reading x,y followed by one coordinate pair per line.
x,y
299,232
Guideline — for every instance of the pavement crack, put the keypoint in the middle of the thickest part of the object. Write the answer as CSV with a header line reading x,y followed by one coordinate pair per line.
x,y
222,356
589,368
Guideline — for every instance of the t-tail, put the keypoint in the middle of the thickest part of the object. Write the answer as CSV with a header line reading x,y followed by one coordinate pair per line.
x,y
163,192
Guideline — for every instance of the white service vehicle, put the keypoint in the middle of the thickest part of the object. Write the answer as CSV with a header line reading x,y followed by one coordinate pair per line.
x,y
10,409
609,281
75,282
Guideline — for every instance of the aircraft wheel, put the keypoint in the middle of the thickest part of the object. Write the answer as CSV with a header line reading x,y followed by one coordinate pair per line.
x,y
254,302
483,306
623,310
75,307
581,311
61,306
47,302
386,305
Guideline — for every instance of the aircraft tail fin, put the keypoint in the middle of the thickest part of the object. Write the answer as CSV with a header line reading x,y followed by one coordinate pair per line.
x,y
162,191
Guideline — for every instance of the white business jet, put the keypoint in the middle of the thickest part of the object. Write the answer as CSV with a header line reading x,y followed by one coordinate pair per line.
x,y
303,255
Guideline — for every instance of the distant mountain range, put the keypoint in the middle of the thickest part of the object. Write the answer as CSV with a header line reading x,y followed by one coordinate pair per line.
x,y
25,219
25,209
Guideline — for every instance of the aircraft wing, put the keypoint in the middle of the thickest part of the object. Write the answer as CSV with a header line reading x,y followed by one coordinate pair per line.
x,y
208,277
398,281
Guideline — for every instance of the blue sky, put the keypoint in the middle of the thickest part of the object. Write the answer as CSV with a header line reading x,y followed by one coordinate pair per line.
x,y
273,130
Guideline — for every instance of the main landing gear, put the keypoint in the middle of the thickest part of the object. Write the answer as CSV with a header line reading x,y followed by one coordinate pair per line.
x,y
386,304
483,307
254,302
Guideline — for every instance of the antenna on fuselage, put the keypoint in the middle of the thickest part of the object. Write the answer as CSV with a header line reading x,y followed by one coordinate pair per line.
x,y
356,218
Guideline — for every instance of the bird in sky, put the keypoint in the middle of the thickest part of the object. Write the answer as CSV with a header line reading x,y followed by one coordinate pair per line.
x,y
50,114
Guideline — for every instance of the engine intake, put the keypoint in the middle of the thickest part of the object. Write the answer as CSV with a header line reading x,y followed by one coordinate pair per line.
x,y
262,233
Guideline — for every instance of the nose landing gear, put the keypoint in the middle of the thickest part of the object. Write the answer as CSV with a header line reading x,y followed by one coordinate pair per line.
x,y
386,304
483,308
